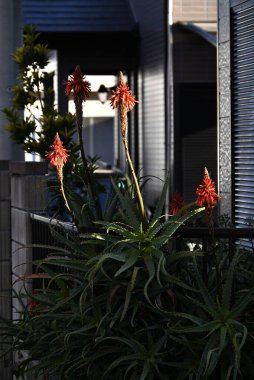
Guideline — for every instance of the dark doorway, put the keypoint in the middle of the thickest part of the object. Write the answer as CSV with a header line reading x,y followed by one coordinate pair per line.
x,y
195,114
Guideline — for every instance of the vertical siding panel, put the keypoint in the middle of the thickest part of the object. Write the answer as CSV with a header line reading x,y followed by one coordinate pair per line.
x,y
242,112
151,16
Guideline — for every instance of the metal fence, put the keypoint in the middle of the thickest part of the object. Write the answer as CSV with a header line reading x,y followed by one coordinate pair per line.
x,y
228,239
232,237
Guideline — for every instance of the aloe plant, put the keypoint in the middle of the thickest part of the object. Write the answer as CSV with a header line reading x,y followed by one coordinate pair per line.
x,y
113,304
216,327
121,302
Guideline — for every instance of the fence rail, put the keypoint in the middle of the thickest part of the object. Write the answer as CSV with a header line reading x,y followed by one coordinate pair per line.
x,y
233,232
232,238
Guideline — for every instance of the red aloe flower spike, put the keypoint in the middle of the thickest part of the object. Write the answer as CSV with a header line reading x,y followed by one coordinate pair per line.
x,y
206,193
123,98
79,85
176,204
58,156
207,197
81,91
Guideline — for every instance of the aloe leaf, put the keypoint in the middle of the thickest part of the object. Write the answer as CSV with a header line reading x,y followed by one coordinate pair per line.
x,y
45,246
161,202
120,228
129,290
82,361
192,318
201,305
128,264
237,351
128,205
111,206
223,337
226,373
211,361
175,256
119,361
153,229
43,299
204,292
158,270
158,345
183,210
131,343
174,223
210,345
151,271
97,262
64,301
133,364
134,312
161,240
244,332
174,279
106,256
146,371
244,301
208,327
67,264
227,289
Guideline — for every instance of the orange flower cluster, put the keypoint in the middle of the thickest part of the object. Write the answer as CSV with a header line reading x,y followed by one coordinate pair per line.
x,y
206,193
176,204
58,156
79,85
122,97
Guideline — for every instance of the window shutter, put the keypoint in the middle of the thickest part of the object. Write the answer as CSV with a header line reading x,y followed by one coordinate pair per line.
x,y
242,80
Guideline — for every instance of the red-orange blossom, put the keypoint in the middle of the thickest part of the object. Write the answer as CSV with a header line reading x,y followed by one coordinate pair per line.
x,y
206,193
176,204
123,99
79,85
58,156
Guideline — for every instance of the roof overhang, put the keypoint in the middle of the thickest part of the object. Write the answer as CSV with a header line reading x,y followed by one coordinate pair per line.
x,y
202,31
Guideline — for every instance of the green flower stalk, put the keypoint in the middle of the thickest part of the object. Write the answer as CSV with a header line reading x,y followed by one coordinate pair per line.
x,y
81,89
207,196
123,99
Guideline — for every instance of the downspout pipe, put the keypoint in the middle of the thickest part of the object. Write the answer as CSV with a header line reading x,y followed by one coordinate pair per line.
x,y
169,100
10,38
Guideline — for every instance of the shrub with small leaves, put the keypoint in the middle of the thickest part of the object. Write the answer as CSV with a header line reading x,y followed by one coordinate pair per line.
x,y
34,94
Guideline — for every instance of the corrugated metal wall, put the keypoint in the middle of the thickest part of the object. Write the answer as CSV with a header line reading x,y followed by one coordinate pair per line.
x,y
152,84
242,71
79,15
